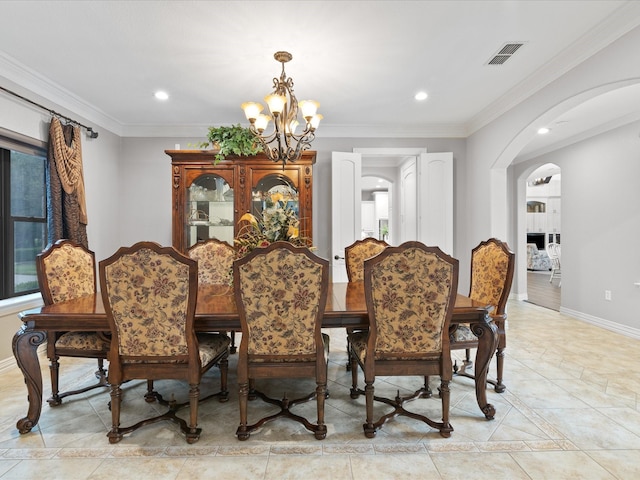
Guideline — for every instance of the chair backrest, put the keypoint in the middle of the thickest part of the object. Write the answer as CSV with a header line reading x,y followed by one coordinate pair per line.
x,y
553,250
281,293
65,270
215,259
410,292
492,267
359,251
149,294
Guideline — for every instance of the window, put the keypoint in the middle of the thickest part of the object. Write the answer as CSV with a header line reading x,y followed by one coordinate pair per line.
x,y
23,212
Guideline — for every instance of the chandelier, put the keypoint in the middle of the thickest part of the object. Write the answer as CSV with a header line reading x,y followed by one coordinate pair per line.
x,y
283,144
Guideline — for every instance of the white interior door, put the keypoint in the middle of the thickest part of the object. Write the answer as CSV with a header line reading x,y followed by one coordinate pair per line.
x,y
408,201
346,208
435,200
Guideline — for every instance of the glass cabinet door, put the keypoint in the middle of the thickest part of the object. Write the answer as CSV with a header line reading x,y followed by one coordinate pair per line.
x,y
274,190
209,210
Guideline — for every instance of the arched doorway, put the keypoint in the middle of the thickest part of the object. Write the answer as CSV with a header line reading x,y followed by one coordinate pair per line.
x,y
520,162
543,213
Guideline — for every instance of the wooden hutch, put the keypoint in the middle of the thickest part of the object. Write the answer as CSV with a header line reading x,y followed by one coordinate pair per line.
x,y
208,200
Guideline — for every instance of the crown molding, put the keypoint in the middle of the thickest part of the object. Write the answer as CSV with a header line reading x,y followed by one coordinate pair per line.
x,y
32,81
622,21
325,131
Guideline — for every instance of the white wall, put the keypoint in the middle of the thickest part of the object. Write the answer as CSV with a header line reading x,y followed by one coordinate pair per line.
x,y
492,149
600,226
102,181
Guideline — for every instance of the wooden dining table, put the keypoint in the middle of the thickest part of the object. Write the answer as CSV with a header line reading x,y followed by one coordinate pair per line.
x,y
216,311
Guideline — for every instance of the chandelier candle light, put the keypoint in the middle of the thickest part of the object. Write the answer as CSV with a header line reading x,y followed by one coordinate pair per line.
x,y
283,144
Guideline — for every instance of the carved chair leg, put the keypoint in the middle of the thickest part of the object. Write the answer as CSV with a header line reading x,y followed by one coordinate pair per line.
x,y
101,373
243,396
499,386
54,368
369,428
116,398
224,370
321,393
446,428
233,349
151,395
427,393
355,393
193,435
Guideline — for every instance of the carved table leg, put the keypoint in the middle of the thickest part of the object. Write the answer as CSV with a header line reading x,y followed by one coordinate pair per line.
x,y
25,350
487,334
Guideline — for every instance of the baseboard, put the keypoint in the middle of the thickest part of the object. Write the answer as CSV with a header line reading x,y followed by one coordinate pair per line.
x,y
601,322
7,364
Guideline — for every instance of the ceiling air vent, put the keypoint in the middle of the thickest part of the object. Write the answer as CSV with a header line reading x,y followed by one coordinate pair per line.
x,y
505,53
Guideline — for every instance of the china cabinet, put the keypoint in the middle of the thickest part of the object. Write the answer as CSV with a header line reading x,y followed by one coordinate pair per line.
x,y
208,200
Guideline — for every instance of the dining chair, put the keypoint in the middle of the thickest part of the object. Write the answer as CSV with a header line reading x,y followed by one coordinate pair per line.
x,y
354,256
67,270
492,268
410,293
215,260
281,292
149,294
554,252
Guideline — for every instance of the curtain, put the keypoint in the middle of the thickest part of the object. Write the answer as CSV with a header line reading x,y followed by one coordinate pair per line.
x,y
66,207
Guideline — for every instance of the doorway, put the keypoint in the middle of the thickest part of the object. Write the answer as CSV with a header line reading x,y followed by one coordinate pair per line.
x,y
543,226
377,208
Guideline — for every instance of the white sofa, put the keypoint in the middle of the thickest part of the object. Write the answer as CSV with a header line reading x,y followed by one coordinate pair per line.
x,y
537,259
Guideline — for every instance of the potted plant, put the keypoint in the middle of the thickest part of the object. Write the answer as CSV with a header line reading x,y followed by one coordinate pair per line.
x,y
233,140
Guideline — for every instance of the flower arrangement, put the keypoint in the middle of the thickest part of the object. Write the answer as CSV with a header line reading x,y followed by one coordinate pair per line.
x,y
278,222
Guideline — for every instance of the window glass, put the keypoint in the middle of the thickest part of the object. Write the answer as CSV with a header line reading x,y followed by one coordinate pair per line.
x,y
23,214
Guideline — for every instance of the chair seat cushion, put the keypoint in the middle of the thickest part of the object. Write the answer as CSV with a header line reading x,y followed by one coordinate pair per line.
x,y
359,340
212,345
82,341
463,334
294,359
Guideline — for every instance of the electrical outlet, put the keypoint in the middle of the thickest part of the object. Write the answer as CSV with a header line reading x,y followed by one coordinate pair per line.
x,y
607,295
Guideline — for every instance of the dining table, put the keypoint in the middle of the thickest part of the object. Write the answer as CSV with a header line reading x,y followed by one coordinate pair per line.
x,y
216,311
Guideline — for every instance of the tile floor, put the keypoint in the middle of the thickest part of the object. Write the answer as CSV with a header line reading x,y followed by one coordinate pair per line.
x,y
571,411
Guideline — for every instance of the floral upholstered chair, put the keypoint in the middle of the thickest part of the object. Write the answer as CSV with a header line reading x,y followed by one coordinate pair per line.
x,y
67,270
492,267
354,256
359,251
215,259
281,293
410,293
149,293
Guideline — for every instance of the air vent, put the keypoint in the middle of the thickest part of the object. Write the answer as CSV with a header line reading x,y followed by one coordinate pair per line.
x,y
505,53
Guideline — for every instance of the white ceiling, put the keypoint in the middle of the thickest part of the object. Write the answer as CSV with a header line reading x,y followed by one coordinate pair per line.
x,y
362,60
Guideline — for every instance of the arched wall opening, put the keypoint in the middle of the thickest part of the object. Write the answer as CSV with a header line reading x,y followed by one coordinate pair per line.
x,y
505,207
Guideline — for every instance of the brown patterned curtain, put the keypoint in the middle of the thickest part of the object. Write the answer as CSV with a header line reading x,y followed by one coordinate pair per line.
x,y
66,208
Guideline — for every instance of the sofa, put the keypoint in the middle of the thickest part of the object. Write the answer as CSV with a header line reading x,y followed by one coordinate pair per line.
x,y
537,259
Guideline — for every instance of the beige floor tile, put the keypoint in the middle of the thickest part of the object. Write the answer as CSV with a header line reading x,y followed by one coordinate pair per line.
x,y
68,468
478,466
235,467
623,464
291,467
565,414
140,468
560,466
420,465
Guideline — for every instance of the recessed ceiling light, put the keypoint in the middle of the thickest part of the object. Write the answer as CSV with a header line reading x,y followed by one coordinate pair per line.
x,y
543,131
160,95
421,96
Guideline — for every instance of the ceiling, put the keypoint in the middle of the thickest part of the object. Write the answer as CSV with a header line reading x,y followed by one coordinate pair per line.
x,y
363,61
